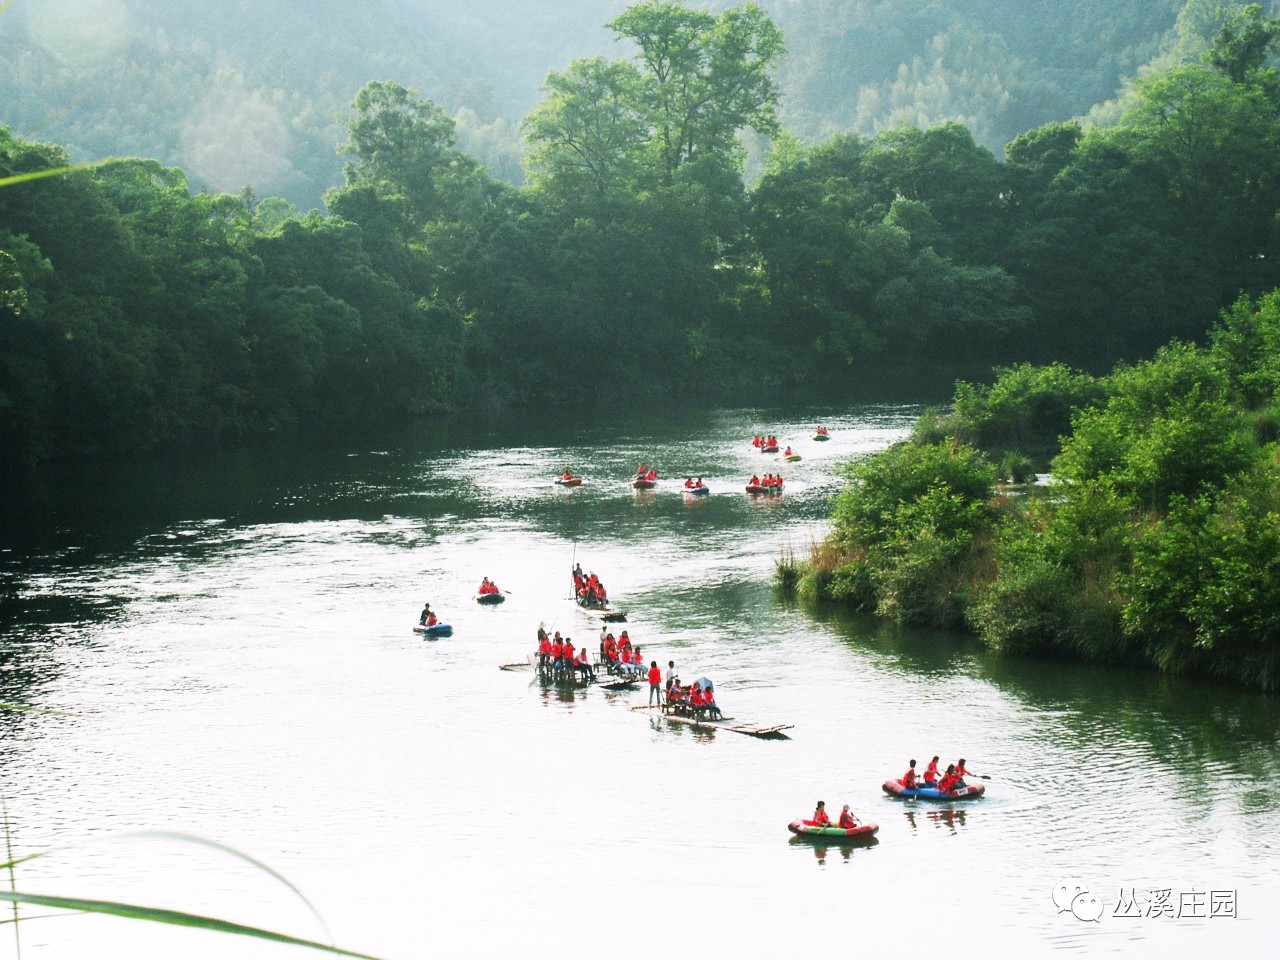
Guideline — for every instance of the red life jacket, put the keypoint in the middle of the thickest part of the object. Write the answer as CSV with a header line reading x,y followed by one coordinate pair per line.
x,y
556,650
821,819
567,652
909,778
655,677
846,820
931,773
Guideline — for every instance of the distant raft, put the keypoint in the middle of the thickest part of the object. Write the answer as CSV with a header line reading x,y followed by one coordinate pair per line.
x,y
490,598
571,482
701,491
644,483
970,791
761,488
807,828
793,458
762,730
821,437
437,630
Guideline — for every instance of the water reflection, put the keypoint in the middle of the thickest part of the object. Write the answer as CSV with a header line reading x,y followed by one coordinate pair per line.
x,y
822,848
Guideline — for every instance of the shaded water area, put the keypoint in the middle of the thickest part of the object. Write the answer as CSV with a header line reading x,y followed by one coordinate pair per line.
x,y
229,644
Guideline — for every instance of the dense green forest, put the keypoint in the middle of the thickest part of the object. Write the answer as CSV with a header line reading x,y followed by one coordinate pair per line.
x,y
249,93
134,313
1158,543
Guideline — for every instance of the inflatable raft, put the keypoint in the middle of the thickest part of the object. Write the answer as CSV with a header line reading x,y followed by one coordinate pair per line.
x,y
439,630
490,597
698,491
820,437
793,458
761,488
968,792
772,448
644,484
807,828
571,482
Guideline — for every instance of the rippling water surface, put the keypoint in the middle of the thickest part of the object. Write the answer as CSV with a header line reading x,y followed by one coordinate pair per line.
x,y
229,649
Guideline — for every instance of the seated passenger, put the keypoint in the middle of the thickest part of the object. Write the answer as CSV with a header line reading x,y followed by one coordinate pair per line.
x,y
585,670
909,778
688,483
948,781
820,815
709,704
567,657
847,820
755,480
696,700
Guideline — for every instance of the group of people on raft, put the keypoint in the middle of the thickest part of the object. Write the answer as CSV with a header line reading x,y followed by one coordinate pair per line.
x,y
948,782
427,618
761,442
557,657
821,431
646,473
691,484
768,480
696,700
822,819
617,655
588,590
487,586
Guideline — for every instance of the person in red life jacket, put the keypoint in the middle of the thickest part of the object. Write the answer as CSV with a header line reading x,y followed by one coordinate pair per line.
x,y
611,650
488,586
948,781
931,773
568,475
640,472
567,655
755,441
820,815
653,473
847,820
585,669
655,683
544,652
961,773
675,696
698,484
557,649
696,700
755,480
709,704
787,452
909,778
688,483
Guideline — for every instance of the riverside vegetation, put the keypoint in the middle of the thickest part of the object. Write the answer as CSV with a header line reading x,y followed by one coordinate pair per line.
x,y
1158,543
134,314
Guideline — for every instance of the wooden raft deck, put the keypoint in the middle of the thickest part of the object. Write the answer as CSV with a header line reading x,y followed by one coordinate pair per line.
x,y
764,731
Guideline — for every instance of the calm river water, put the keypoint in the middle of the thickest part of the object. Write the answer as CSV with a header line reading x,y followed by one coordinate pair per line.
x,y
229,649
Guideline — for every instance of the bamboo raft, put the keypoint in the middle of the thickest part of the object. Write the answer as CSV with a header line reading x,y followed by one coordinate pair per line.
x,y
768,732
607,614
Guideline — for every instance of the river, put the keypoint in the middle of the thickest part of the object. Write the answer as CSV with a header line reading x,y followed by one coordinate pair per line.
x,y
227,646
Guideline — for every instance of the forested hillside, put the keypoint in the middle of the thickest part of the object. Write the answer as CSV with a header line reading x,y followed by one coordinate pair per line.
x,y
134,313
250,93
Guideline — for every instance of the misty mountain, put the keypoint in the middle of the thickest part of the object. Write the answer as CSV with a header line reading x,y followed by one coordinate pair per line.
x,y
254,93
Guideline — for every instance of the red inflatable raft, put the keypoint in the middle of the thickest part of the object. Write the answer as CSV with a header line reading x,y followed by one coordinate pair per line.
x,y
807,828
644,484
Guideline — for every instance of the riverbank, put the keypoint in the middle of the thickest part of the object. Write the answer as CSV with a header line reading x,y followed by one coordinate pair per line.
x,y
1159,545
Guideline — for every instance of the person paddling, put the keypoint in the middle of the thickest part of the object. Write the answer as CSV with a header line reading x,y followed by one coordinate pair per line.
x,y
847,820
909,778
931,773
820,815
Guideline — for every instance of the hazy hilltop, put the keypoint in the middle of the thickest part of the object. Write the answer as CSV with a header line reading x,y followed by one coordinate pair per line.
x,y
252,93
